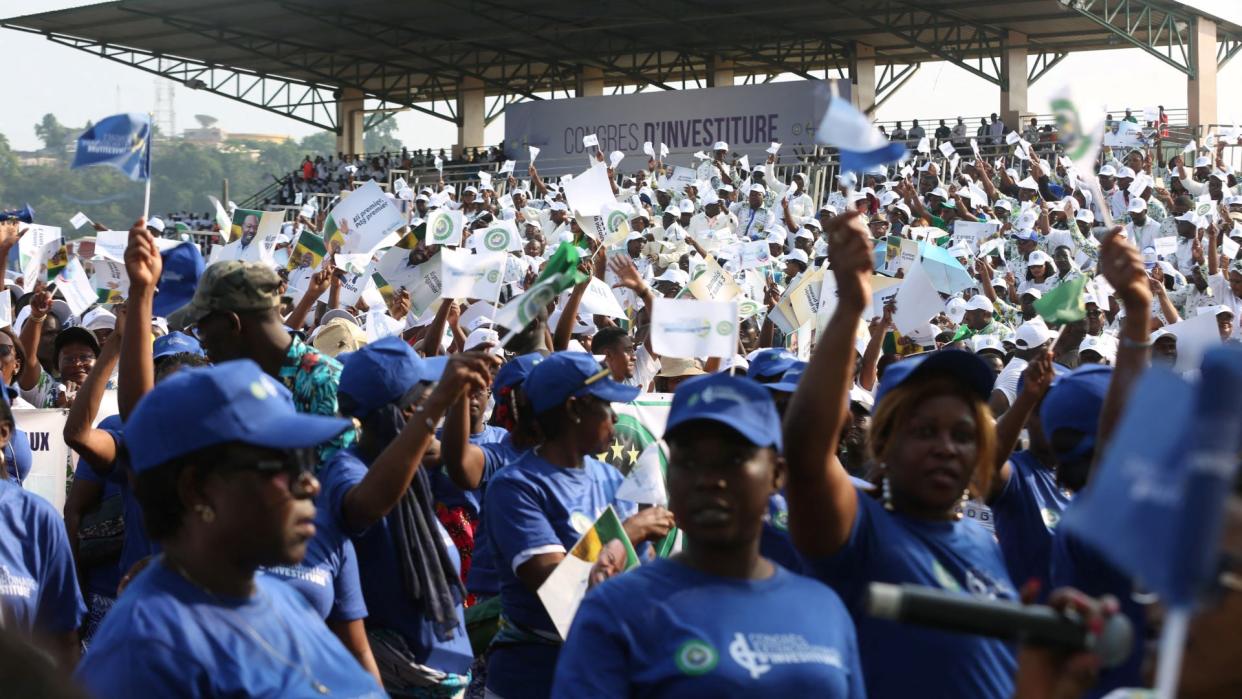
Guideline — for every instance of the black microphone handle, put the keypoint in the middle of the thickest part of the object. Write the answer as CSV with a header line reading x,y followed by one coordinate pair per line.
x,y
1004,620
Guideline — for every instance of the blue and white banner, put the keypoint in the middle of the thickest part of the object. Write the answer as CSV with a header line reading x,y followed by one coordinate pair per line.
x,y
747,117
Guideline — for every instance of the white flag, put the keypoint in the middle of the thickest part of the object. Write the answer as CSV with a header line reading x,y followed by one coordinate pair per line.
x,y
79,219
500,236
615,158
466,275
74,284
644,484
689,328
444,227
440,165
649,149
590,140
534,153
507,167
946,149
663,151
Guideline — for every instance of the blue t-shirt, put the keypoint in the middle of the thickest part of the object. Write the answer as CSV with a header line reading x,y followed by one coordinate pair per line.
x,y
38,583
667,630
446,491
101,579
534,507
18,456
901,660
136,545
328,576
387,602
1077,565
1026,513
167,637
483,578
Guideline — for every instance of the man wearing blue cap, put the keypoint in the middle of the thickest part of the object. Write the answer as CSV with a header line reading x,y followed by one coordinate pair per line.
x,y
713,608
224,472
540,505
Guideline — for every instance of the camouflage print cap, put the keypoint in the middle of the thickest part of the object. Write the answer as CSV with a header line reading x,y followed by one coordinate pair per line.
x,y
231,285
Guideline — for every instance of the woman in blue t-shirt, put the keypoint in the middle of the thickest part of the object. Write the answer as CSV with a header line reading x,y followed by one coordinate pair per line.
x,y
717,619
377,495
39,593
932,437
224,471
540,505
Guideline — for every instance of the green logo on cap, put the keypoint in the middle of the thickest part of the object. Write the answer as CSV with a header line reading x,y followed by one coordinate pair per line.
x,y
696,657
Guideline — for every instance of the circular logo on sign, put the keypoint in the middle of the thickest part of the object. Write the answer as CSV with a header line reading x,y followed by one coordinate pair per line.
x,y
696,657
496,240
616,219
724,327
747,308
493,276
532,301
443,228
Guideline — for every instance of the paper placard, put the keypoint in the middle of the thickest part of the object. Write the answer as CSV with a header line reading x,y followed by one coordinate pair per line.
x,y
1012,137
1229,248
1166,246
774,148
590,140
947,149
918,301
366,218
79,219
588,192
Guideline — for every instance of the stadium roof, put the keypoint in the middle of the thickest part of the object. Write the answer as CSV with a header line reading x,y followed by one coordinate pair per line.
x,y
290,56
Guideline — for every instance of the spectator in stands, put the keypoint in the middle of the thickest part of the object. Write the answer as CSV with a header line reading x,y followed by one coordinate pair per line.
x,y
1130,117
996,131
1031,133
916,132
981,134
942,132
899,134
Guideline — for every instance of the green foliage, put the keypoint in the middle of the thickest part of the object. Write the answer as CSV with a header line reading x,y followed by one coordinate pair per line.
x,y
54,135
382,136
182,176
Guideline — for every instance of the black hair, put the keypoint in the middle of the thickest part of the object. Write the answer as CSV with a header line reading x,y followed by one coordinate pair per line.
x,y
552,422
17,349
156,489
607,338
168,364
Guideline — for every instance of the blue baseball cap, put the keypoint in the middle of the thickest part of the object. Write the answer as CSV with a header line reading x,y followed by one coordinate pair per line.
x,y
515,371
960,365
771,362
183,266
563,375
788,383
743,404
175,342
380,373
1074,402
231,402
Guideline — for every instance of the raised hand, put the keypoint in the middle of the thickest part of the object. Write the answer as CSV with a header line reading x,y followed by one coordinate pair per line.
x,y
143,263
627,274
849,251
1122,266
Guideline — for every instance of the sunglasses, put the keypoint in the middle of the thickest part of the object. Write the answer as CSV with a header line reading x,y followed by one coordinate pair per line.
x,y
299,465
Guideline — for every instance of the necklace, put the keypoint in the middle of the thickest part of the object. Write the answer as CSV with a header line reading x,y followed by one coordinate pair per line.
x,y
302,666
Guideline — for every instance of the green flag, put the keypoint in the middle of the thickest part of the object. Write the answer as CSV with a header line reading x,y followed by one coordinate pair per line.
x,y
559,274
1064,303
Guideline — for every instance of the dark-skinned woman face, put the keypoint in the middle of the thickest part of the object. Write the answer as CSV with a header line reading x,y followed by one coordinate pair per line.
x,y
932,455
75,361
9,363
591,422
719,484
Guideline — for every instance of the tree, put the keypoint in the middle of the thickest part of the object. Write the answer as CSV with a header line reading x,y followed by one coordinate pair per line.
x,y
319,143
54,135
382,136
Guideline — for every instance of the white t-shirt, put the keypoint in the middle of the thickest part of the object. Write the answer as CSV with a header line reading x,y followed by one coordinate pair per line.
x,y
1007,381
1219,285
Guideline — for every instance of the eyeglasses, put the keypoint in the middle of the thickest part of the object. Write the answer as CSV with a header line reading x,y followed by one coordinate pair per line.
x,y
298,464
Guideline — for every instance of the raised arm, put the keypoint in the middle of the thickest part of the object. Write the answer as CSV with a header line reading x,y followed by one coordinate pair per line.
x,y
867,374
1036,379
822,500
569,312
143,265
430,343
389,476
1122,266
318,284
95,445
536,181
31,334
463,461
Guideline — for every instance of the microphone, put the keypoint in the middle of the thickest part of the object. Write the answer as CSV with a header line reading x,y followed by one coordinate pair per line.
x,y
1008,621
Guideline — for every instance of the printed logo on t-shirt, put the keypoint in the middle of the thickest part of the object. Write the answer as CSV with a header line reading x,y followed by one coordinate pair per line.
x,y
758,652
696,657
13,585
318,575
944,578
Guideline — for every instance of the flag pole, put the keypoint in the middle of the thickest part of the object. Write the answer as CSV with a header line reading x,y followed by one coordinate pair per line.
x,y
146,197
1172,645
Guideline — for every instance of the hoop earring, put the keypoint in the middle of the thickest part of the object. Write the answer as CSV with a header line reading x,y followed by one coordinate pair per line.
x,y
205,513
886,493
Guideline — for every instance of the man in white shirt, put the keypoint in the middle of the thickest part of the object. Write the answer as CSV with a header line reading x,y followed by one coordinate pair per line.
x,y
1141,230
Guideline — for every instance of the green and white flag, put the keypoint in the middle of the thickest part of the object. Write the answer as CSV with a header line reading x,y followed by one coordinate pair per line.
x,y
467,275
560,273
444,227
616,220
1064,303
500,236
564,589
1080,131
691,329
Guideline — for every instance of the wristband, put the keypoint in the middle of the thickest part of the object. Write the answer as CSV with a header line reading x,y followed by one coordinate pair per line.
x,y
1127,343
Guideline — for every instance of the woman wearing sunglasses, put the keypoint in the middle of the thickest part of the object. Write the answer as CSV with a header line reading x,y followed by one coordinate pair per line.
x,y
223,466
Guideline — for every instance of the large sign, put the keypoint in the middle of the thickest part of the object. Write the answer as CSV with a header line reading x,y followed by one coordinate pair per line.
x,y
747,117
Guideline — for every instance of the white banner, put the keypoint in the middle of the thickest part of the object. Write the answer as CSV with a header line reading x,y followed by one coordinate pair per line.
x,y
52,458
691,329
748,118
466,275
366,218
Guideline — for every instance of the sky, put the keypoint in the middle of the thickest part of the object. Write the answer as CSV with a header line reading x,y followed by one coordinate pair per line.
x,y
78,87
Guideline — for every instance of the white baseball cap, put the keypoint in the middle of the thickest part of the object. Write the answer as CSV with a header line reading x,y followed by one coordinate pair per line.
x,y
1108,171
720,145
983,343
1136,205
1037,258
1032,334
979,302
1085,216
955,308
685,206
797,256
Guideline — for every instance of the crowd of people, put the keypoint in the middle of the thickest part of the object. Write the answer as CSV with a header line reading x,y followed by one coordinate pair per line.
x,y
293,501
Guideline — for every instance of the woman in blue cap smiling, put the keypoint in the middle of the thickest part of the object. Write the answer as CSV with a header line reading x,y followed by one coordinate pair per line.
x,y
540,505
378,495
933,438
717,619
225,477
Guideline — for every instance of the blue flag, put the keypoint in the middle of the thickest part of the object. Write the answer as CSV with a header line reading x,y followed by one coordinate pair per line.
x,y
860,145
122,141
1154,507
